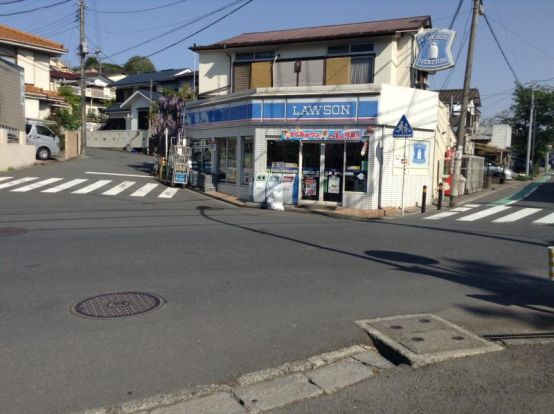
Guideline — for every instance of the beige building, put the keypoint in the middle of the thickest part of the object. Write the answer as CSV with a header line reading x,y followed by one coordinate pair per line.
x,y
33,53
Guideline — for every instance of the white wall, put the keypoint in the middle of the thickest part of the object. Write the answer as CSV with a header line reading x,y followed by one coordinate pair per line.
x,y
32,108
419,106
16,156
42,71
213,72
403,61
26,59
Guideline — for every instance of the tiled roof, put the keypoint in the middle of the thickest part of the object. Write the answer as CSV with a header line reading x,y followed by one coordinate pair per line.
x,y
456,95
9,34
145,78
339,31
48,95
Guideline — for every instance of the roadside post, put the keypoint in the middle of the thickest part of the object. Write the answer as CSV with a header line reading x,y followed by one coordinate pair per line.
x,y
403,130
423,198
440,195
551,262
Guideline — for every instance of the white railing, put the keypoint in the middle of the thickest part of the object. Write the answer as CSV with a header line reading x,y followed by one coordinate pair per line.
x,y
95,93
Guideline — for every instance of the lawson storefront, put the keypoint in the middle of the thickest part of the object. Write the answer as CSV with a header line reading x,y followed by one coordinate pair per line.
x,y
317,148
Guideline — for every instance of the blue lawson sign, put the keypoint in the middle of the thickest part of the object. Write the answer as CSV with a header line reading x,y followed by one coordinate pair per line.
x,y
403,129
435,50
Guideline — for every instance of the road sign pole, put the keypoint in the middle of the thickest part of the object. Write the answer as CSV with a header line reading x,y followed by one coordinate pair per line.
x,y
403,178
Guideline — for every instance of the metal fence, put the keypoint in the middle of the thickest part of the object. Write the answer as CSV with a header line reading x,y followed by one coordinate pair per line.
x,y
473,169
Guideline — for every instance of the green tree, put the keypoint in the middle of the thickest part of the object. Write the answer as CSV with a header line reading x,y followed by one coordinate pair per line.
x,y
139,64
92,63
67,118
517,116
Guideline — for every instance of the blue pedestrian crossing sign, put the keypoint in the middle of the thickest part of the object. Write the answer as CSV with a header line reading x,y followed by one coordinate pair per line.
x,y
403,129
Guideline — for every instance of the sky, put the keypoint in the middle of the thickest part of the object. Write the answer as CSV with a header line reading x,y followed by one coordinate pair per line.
x,y
123,28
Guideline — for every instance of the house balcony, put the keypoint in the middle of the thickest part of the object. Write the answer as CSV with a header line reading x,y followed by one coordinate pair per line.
x,y
105,94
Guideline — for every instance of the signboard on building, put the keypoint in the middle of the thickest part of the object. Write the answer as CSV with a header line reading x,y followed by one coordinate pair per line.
x,y
322,135
434,50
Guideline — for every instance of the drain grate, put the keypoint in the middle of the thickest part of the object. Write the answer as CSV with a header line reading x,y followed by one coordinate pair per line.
x,y
12,231
117,305
527,335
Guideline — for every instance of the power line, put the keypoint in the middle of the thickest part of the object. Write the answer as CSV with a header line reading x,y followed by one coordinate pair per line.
x,y
139,11
177,28
455,15
37,8
501,50
11,2
200,30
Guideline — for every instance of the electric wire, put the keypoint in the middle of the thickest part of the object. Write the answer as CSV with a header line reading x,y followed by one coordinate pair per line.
x,y
451,25
11,2
501,50
139,11
49,6
514,56
177,28
200,30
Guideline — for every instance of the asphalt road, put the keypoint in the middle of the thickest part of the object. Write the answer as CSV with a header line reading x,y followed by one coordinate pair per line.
x,y
245,289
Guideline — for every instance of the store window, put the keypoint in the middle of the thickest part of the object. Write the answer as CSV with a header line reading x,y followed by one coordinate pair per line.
x,y
252,70
282,156
227,160
356,167
247,166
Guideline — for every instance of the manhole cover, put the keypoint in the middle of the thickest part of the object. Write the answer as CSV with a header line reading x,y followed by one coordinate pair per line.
x,y
117,305
11,231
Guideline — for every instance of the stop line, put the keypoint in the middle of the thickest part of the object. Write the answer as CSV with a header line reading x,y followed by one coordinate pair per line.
x,y
83,186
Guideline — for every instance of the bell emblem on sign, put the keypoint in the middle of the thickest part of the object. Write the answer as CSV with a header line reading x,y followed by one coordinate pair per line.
x,y
419,154
433,51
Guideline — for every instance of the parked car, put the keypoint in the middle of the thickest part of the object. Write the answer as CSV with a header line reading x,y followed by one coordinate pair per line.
x,y
43,138
496,170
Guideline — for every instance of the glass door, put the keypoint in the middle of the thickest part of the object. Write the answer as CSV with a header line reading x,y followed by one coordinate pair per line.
x,y
311,162
333,172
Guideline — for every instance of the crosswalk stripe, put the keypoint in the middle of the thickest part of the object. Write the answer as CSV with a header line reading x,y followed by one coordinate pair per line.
x,y
440,215
471,205
145,189
484,213
94,186
119,188
461,209
5,178
518,215
36,185
168,192
17,182
548,219
64,186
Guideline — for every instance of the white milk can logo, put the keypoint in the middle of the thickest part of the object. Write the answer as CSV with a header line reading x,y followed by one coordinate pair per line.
x,y
434,50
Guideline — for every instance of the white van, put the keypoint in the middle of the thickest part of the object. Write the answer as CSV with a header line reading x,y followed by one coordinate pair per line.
x,y
43,138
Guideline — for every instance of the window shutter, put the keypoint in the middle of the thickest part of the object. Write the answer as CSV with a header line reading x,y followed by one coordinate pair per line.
x,y
241,77
337,71
261,75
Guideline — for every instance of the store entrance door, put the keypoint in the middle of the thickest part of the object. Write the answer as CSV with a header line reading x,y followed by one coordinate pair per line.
x,y
322,172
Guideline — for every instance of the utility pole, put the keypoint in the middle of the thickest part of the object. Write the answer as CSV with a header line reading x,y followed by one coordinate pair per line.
x,y
461,133
530,132
83,50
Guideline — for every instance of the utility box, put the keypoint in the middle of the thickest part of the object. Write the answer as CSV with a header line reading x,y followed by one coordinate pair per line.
x,y
259,189
289,186
274,187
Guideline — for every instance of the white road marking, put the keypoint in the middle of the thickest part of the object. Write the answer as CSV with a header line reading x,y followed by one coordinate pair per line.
x,y
518,215
92,187
471,205
36,185
145,189
440,215
65,186
118,175
484,213
548,219
5,178
119,188
168,192
461,209
17,182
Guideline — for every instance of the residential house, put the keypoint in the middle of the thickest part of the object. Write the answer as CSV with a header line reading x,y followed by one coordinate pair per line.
x,y
99,93
127,123
33,54
313,112
14,152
